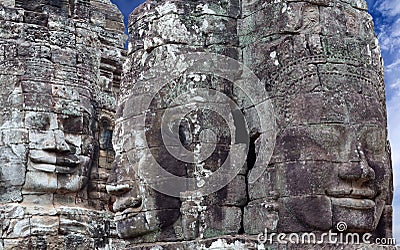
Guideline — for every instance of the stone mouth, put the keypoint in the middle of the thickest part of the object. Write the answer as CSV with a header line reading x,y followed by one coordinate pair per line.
x,y
361,198
355,193
127,203
359,204
126,214
54,163
41,156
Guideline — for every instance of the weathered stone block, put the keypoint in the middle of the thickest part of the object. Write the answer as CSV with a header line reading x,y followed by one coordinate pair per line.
x,y
266,186
260,215
220,220
18,228
40,182
297,214
234,194
44,225
10,194
12,174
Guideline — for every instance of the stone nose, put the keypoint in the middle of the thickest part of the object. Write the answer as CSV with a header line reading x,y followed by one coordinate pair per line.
x,y
56,142
358,169
126,203
118,189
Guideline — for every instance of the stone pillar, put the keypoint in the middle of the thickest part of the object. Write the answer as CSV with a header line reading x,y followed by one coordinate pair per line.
x,y
61,64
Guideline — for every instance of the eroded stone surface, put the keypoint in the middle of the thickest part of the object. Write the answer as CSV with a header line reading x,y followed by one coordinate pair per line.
x,y
61,73
321,67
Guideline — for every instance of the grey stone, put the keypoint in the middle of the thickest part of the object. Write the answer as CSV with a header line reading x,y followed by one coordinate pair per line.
x,y
79,144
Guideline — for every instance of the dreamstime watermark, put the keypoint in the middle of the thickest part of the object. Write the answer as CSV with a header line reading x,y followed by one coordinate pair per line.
x,y
338,236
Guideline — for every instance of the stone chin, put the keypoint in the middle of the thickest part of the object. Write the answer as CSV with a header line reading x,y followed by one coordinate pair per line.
x,y
56,173
360,215
132,225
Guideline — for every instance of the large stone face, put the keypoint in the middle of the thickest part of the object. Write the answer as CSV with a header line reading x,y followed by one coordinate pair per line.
x,y
325,77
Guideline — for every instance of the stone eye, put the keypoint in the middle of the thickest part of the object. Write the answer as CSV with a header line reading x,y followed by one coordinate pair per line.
x,y
38,121
72,147
373,139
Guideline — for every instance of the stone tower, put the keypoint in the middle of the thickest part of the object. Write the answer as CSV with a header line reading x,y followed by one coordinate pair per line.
x,y
320,68
61,65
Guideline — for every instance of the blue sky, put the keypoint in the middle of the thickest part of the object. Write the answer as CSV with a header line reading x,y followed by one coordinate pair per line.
x,y
386,14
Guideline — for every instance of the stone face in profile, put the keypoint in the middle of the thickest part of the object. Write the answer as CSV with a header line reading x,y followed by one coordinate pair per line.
x,y
320,64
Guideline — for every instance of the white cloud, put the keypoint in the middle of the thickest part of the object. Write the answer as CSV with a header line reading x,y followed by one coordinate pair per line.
x,y
394,66
389,38
396,28
388,30
389,8
395,86
393,107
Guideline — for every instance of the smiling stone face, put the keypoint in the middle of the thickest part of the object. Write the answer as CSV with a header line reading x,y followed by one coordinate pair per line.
x,y
60,147
335,170
51,138
58,78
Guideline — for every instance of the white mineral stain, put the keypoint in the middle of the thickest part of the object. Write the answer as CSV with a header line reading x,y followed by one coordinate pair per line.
x,y
141,31
166,8
171,52
221,244
205,9
273,56
284,8
205,25
143,59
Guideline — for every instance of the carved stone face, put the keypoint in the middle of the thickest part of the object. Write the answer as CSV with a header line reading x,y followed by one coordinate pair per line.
x,y
60,148
331,161
58,138
141,212
60,141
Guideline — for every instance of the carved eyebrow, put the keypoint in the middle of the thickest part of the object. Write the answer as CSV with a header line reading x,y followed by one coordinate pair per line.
x,y
38,121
